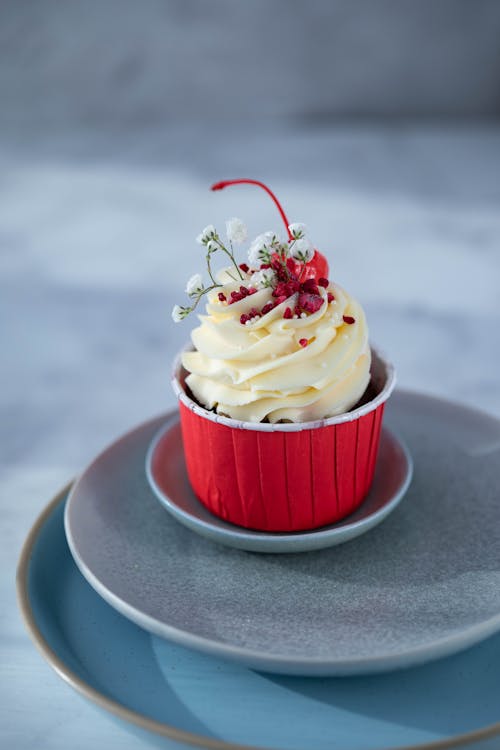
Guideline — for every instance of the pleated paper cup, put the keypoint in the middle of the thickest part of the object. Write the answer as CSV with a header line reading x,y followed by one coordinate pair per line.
x,y
283,477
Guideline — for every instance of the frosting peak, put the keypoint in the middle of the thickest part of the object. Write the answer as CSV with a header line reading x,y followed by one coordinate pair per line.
x,y
260,357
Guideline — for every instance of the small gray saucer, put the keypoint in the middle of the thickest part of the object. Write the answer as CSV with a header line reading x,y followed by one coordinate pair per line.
x,y
166,472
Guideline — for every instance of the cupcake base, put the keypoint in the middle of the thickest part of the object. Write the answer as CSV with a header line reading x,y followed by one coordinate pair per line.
x,y
284,477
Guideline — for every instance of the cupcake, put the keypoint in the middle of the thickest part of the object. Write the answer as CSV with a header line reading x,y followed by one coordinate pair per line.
x,y
281,397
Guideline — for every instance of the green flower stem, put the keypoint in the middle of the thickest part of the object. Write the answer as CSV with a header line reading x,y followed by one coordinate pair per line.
x,y
202,294
209,269
228,253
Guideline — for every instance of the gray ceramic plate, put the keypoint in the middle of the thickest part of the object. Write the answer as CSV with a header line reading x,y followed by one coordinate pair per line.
x,y
166,472
423,584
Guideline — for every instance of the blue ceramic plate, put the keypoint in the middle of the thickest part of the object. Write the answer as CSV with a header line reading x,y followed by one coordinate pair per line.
x,y
420,586
200,700
166,473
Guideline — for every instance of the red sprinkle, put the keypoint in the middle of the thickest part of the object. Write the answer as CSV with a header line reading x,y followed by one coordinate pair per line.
x,y
348,319
244,267
323,282
303,342
267,308
288,313
330,297
221,296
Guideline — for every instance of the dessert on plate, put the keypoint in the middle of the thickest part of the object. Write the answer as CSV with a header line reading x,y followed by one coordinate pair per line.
x,y
281,396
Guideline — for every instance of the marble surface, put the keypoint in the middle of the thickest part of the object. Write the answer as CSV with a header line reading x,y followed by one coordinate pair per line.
x,y
96,241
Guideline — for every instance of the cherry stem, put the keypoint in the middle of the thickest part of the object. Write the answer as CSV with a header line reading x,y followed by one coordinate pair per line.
x,y
225,183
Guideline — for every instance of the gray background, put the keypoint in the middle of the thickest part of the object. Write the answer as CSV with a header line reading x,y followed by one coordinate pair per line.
x,y
377,123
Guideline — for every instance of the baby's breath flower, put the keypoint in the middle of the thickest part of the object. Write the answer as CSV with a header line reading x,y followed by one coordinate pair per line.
x,y
236,231
179,313
297,230
207,234
212,246
261,279
260,249
302,249
194,285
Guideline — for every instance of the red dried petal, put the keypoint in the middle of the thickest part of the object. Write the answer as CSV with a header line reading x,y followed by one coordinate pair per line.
x,y
348,319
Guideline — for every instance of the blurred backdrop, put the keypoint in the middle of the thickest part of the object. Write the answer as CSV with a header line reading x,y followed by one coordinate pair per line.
x,y
376,122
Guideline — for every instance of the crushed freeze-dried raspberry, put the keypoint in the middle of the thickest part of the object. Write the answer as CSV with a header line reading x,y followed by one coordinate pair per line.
x,y
310,302
303,342
310,287
243,318
348,319
323,282
244,267
288,313
267,308
330,297
221,296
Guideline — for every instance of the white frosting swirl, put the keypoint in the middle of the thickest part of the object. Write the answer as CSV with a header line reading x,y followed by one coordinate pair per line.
x,y
261,371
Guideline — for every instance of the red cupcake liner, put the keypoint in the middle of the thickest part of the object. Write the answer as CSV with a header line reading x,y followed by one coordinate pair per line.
x,y
283,477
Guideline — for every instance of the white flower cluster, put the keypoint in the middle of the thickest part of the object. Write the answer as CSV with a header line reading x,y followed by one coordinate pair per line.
x,y
299,247
297,230
302,249
265,248
209,233
236,231
261,279
262,247
179,313
194,285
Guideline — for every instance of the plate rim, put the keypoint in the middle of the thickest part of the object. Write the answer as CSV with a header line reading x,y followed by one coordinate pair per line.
x,y
250,537
135,717
284,664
